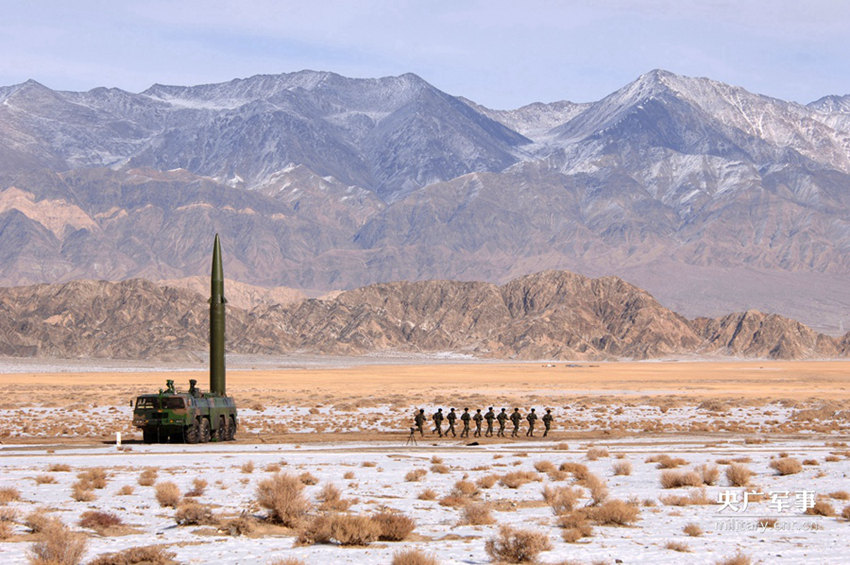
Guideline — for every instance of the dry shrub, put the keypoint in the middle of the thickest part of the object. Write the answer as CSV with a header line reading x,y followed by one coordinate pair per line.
x,y
821,508
677,546
99,521
240,526
94,477
413,557
465,488
737,559
247,467
561,447
58,468
840,495
545,466
812,462
39,521
622,467
675,479
692,529
348,475
439,468
597,487
58,546
394,526
198,487
487,481
282,495
832,458
477,514
149,555
577,470
428,494
666,462
147,477
344,529
696,496
6,529
614,512
455,500
738,475
330,498
8,514
415,475
308,479
44,480
846,512
368,464
786,466
516,479
194,514
272,468
708,473
576,525
167,494
81,493
125,490
595,453
561,499
517,546
9,494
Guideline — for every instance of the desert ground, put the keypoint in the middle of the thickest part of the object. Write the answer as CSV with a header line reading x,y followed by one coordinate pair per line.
x,y
704,461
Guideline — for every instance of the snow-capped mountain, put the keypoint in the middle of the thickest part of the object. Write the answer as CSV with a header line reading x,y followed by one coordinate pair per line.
x,y
322,181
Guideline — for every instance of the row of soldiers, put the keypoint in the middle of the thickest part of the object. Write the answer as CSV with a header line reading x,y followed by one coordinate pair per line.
x,y
490,416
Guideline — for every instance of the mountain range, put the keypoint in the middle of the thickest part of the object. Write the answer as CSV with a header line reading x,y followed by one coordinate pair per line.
x,y
712,198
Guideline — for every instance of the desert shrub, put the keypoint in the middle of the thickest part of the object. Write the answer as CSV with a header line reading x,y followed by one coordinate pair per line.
x,y
194,514
692,529
786,466
561,499
9,494
272,468
595,453
344,529
675,479
39,521
58,468
465,488
393,526
282,495
199,485
454,500
516,546
666,462
81,492
622,468
677,546
821,508
544,466
8,514
167,494
247,467
840,495
738,475
696,496
577,470
44,480
125,490
597,487
487,481
240,526
415,475
58,546
516,479
436,460
308,479
614,512
737,559
428,494
149,555
348,475
439,468
846,512
6,529
810,462
477,514
708,473
413,557
330,498
99,521
94,477
147,477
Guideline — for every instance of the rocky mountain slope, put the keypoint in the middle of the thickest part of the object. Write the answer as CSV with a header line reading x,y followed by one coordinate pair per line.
x,y
711,197
548,315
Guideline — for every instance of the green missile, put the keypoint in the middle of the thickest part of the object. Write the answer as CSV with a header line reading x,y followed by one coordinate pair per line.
x,y
217,302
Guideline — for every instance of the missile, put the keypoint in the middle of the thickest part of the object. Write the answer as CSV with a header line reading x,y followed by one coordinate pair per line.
x,y
217,302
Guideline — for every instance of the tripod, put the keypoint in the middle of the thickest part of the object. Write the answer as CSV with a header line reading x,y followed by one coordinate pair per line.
x,y
411,439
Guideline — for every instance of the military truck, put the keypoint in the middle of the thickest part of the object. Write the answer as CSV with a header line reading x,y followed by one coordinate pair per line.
x,y
192,416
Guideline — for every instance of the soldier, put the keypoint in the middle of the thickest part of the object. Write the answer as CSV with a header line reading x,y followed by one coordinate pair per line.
x,y
193,391
547,421
515,419
532,417
502,418
450,418
419,420
438,421
477,419
169,385
489,416
465,419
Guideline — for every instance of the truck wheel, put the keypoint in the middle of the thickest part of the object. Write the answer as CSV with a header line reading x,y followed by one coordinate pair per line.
x,y
231,428
193,432
221,431
149,435
205,430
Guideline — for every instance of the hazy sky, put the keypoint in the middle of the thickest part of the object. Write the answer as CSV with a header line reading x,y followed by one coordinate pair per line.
x,y
502,54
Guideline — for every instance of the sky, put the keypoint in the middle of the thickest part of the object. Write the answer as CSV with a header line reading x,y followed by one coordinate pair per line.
x,y
499,53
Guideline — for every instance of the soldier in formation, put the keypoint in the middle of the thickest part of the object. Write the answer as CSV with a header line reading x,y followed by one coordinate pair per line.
x,y
438,421
451,417
464,418
419,420
547,421
531,418
477,419
515,420
502,418
489,417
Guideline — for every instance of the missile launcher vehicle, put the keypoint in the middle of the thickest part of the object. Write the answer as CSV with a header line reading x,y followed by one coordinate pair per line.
x,y
193,416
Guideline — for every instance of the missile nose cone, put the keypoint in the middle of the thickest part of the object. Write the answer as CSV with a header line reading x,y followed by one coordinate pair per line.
x,y
217,278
